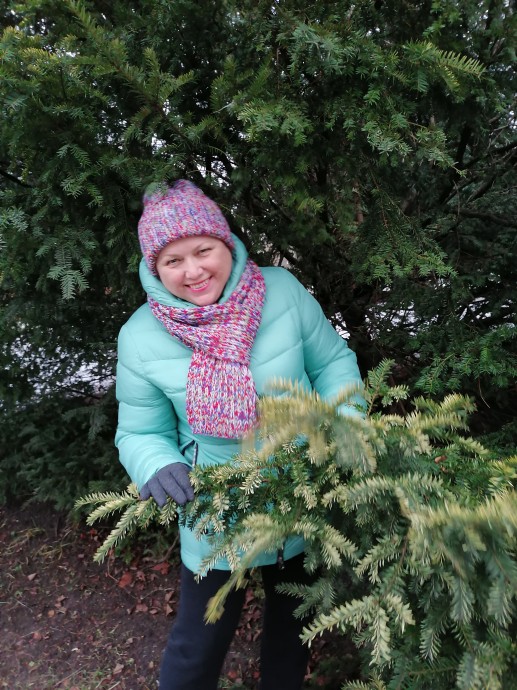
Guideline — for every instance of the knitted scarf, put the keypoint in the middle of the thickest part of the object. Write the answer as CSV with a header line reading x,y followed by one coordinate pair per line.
x,y
221,396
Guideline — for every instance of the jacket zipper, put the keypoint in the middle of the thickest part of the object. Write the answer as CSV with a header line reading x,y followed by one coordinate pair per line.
x,y
194,456
194,452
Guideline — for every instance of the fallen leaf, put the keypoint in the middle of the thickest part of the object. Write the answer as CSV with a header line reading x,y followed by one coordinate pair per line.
x,y
162,568
125,580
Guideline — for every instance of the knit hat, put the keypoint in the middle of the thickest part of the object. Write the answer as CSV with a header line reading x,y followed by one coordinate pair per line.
x,y
171,213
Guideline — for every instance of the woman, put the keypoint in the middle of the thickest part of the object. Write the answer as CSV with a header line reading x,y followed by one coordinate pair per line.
x,y
215,330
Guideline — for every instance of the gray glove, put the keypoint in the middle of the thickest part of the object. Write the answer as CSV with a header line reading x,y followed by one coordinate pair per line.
x,y
172,480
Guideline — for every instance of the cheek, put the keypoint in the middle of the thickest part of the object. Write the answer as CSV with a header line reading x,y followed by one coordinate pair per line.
x,y
226,268
169,280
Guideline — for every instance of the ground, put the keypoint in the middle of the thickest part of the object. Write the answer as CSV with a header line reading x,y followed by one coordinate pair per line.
x,y
68,623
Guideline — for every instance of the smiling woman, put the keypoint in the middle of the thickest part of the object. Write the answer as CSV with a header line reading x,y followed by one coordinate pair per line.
x,y
195,269
215,331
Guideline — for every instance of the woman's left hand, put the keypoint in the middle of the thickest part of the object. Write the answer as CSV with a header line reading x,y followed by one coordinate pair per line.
x,y
172,480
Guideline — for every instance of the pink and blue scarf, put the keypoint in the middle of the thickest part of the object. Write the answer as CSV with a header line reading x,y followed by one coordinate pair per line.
x,y
221,399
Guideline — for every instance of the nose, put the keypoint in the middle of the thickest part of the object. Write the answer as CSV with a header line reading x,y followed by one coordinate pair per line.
x,y
192,267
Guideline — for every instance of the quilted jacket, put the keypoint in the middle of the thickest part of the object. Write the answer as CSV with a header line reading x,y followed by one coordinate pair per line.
x,y
294,341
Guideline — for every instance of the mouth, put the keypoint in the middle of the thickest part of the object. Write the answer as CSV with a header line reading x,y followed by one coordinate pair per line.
x,y
198,287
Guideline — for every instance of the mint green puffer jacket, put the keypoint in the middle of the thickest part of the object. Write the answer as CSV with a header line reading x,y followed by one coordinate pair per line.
x,y
294,341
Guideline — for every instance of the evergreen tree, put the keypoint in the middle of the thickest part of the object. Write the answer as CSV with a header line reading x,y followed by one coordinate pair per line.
x,y
370,146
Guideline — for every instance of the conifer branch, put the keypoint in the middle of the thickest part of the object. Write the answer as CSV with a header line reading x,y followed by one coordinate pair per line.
x,y
431,565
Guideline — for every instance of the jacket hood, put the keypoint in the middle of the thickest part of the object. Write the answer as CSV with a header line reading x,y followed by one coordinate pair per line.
x,y
154,287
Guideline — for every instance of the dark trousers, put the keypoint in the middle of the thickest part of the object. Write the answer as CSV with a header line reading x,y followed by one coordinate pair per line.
x,y
196,650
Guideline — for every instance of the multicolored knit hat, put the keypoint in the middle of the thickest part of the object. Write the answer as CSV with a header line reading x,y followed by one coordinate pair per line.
x,y
171,213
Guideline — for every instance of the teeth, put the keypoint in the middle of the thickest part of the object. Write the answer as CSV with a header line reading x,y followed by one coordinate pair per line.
x,y
199,286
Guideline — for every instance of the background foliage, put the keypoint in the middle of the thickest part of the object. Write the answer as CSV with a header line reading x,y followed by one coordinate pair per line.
x,y
370,145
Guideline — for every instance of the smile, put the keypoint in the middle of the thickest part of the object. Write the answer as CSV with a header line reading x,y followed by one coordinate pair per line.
x,y
196,287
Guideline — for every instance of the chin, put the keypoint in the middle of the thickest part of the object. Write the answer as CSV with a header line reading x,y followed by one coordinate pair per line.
x,y
203,300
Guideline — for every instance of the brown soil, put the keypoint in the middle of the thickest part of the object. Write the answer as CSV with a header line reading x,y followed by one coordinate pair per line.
x,y
68,623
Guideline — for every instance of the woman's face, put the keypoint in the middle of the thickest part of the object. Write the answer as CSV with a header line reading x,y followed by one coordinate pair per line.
x,y
195,269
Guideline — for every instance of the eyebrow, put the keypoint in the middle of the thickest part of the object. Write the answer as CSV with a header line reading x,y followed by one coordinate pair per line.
x,y
171,253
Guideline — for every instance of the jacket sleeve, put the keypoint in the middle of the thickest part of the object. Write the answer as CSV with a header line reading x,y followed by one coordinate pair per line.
x,y
330,364
146,437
